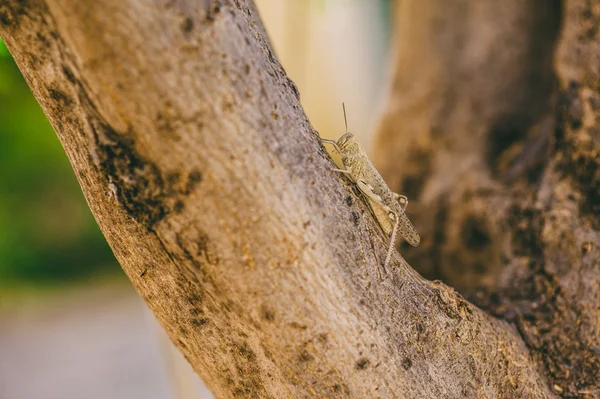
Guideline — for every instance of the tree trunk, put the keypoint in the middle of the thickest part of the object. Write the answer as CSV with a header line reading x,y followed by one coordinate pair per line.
x,y
263,265
492,126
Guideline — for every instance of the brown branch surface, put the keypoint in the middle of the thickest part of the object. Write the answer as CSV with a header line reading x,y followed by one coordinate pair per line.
x,y
216,197
492,132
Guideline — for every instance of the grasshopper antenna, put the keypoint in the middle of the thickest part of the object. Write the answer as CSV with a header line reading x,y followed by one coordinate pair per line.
x,y
345,120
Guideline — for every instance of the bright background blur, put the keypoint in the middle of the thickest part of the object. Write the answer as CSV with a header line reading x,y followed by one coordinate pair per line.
x,y
71,326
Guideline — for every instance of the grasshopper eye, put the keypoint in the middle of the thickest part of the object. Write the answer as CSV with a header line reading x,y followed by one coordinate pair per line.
x,y
345,139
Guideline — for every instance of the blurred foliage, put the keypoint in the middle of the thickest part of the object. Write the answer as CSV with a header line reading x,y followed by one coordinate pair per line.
x,y
3,49
47,233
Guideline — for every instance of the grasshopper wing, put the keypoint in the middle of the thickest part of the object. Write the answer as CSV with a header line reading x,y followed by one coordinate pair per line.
x,y
405,227
381,215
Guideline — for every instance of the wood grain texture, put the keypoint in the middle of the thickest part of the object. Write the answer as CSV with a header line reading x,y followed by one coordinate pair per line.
x,y
217,199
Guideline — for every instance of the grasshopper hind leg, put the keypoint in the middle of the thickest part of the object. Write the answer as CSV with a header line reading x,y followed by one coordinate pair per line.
x,y
392,245
402,199
367,190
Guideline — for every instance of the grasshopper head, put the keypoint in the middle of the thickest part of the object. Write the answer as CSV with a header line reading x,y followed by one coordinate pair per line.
x,y
348,146
346,142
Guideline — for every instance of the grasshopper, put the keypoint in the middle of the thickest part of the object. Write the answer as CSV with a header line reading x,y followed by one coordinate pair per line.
x,y
387,206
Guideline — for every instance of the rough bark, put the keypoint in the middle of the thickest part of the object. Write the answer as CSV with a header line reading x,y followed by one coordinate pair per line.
x,y
216,197
492,130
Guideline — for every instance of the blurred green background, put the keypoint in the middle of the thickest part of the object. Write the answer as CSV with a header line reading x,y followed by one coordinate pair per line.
x,y
47,233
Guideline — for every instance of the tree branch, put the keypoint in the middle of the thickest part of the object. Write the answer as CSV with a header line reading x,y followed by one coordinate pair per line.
x,y
217,199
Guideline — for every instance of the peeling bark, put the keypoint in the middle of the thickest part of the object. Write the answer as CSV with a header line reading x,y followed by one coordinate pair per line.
x,y
263,265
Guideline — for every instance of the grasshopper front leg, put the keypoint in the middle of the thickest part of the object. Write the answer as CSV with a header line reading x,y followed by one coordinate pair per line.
x,y
345,171
333,143
337,148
